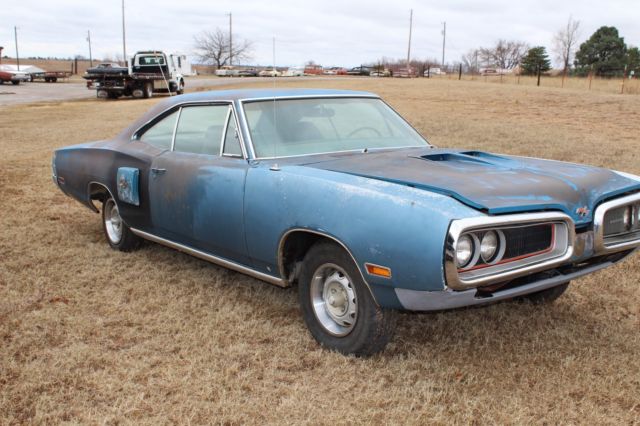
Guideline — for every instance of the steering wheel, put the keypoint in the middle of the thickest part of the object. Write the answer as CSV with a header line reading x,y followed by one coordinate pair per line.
x,y
362,129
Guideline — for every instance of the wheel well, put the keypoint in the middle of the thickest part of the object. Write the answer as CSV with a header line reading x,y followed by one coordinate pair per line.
x,y
98,191
294,247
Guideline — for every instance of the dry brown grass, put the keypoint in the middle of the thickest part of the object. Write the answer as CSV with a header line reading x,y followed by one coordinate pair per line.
x,y
597,84
90,335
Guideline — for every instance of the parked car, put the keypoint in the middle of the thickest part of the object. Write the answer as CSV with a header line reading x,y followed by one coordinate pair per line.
x,y
270,73
360,71
10,74
335,71
405,73
294,72
248,72
336,192
434,71
380,73
226,71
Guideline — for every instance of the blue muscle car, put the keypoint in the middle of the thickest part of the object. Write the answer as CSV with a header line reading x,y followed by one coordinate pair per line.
x,y
335,192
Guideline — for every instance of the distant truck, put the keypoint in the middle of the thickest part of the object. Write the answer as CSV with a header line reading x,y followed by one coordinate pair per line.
x,y
147,72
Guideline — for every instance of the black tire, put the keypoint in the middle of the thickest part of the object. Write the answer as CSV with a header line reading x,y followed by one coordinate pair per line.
x,y
147,90
370,327
54,79
546,296
119,237
180,90
15,82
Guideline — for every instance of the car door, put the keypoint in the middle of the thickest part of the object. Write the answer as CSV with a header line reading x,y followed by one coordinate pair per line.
x,y
196,188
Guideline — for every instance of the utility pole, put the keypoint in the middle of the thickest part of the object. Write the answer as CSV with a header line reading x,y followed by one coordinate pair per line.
x,y
124,42
409,48
89,40
230,39
444,38
15,34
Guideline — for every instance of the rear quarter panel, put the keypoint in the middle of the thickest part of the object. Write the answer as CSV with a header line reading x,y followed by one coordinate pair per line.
x,y
80,165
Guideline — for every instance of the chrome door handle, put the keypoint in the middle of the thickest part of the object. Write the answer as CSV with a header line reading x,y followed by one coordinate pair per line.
x,y
156,171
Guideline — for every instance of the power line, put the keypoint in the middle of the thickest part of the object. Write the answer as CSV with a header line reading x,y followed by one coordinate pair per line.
x,y
409,48
124,43
15,33
444,38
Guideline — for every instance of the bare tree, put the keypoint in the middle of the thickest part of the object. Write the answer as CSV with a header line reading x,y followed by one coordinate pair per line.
x,y
565,42
212,47
470,61
506,54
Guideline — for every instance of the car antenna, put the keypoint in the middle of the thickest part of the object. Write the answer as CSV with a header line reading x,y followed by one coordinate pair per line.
x,y
275,121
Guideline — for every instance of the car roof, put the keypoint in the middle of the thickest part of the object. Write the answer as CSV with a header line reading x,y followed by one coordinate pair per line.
x,y
236,95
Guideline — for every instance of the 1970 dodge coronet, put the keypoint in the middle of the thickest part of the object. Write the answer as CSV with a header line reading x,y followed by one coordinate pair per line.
x,y
334,191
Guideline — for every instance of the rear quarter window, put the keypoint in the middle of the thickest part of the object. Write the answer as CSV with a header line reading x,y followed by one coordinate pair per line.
x,y
160,134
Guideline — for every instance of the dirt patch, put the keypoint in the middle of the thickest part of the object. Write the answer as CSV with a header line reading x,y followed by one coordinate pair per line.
x,y
90,335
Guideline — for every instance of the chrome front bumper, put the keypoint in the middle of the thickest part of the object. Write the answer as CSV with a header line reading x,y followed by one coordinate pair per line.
x,y
415,300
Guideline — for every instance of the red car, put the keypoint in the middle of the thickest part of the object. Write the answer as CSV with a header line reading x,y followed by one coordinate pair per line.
x,y
7,73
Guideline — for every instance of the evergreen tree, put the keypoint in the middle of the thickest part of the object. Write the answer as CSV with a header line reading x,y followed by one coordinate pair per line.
x,y
605,52
633,61
535,57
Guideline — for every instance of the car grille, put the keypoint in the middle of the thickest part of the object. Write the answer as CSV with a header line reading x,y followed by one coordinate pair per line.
x,y
622,220
527,240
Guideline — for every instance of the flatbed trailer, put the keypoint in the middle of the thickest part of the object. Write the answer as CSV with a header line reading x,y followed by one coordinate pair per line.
x,y
50,76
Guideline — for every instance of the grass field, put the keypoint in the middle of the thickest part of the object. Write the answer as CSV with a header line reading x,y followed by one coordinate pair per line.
x,y
90,335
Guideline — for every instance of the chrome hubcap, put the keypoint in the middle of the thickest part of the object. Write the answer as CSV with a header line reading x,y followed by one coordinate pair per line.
x,y
112,221
334,300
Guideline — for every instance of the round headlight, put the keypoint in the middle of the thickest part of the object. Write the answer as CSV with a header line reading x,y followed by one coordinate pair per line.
x,y
464,251
488,246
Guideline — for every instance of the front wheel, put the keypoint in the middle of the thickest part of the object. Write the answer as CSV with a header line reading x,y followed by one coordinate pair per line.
x,y
15,82
118,234
338,307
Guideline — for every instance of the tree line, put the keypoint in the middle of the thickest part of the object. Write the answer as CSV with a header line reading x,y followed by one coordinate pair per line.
x,y
603,54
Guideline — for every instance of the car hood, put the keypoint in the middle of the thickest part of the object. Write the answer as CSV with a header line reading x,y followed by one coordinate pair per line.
x,y
496,184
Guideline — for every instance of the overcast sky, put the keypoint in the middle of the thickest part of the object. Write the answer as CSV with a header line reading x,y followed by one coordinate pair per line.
x,y
330,32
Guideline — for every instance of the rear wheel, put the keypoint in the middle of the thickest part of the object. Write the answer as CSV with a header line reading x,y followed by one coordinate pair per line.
x,y
338,307
15,82
147,90
118,234
546,296
180,90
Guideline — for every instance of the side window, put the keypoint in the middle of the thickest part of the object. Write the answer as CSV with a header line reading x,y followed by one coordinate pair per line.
x,y
161,133
200,129
231,141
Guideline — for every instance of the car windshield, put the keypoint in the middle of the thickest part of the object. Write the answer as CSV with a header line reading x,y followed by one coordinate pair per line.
x,y
288,127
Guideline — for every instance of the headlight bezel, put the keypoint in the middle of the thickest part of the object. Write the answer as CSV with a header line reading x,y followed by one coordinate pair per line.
x,y
496,269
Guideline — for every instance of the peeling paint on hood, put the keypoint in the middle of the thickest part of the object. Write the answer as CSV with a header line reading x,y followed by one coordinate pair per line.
x,y
493,183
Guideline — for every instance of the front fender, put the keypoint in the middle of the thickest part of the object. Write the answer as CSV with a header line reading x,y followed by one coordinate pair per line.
x,y
382,223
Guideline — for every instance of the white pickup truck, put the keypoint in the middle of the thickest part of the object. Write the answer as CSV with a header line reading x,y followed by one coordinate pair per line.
x,y
147,72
